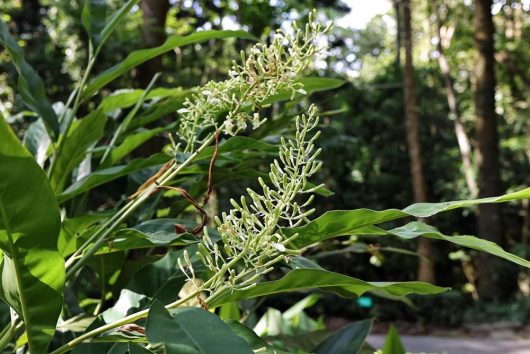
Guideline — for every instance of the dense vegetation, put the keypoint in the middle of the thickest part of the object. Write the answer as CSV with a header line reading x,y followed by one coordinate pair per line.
x,y
161,175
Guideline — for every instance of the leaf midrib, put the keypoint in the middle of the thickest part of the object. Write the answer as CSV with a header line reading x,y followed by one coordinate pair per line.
x,y
14,257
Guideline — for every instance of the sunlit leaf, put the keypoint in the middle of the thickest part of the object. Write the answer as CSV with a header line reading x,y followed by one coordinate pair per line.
x,y
32,269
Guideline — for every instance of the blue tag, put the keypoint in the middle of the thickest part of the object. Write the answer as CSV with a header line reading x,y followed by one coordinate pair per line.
x,y
365,302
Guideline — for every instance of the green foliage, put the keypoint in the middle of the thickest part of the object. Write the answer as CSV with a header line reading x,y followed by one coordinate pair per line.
x,y
142,269
185,332
303,279
29,83
393,343
348,339
141,56
31,266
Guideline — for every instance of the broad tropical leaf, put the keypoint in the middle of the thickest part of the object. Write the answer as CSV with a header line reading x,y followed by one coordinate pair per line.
x,y
32,269
192,330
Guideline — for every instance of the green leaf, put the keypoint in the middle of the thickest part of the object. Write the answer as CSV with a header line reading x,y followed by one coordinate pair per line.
x,y
348,339
100,177
393,344
37,141
192,330
152,233
311,85
131,142
162,108
72,229
140,56
116,18
300,306
93,18
163,279
252,339
306,279
30,84
237,144
230,311
32,269
85,133
347,222
128,97
416,229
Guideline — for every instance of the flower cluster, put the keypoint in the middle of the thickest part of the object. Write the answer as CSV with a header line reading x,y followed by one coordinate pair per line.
x,y
251,240
266,71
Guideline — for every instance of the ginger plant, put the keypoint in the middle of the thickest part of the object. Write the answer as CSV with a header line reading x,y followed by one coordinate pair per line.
x,y
266,71
251,242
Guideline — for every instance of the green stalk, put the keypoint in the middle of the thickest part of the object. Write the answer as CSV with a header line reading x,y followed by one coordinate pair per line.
x,y
142,314
75,108
127,120
106,229
109,226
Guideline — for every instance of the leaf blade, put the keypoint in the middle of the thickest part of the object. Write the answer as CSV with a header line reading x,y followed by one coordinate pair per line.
x,y
190,324
87,132
30,84
32,269
348,339
140,56
304,279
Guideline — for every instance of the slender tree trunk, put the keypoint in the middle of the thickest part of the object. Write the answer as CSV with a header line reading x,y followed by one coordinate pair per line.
x,y
397,12
461,135
425,266
154,13
489,179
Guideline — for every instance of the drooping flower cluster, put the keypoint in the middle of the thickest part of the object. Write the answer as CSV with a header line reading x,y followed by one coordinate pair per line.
x,y
251,240
266,71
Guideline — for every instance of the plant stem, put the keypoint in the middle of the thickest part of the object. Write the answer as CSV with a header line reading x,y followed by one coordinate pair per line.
x,y
75,107
141,314
128,319
105,230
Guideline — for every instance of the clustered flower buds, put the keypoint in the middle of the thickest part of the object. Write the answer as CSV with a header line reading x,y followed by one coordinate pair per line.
x,y
251,239
266,71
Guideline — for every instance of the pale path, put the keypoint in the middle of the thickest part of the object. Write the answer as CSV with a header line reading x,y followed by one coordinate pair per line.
x,y
442,345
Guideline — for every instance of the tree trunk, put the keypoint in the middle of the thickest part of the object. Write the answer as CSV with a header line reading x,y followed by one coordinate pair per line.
x,y
397,12
425,265
461,135
154,13
489,179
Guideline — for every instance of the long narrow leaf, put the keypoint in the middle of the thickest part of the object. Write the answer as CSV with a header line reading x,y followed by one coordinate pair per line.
x,y
93,19
306,279
346,222
100,177
29,83
141,56
417,229
115,19
86,132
